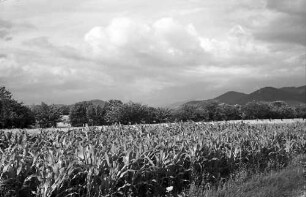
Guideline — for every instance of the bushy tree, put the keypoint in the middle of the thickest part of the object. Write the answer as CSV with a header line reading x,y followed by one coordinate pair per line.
x,y
280,110
133,113
78,114
301,111
65,109
47,115
214,111
86,113
256,110
113,111
190,112
13,113
160,115
95,115
230,112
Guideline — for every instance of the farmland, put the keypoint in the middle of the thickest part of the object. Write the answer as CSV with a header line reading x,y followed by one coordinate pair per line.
x,y
143,160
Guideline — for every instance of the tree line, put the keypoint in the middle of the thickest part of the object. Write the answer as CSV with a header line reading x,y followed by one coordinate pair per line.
x,y
14,114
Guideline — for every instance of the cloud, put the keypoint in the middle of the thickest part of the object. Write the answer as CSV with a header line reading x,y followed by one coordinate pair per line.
x,y
3,56
164,40
296,7
148,52
140,53
168,54
288,25
5,28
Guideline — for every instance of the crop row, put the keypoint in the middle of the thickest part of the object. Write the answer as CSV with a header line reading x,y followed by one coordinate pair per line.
x,y
141,160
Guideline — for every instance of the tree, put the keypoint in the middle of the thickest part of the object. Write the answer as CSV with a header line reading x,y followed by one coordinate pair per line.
x,y
22,116
113,111
280,110
256,110
190,112
160,115
214,111
65,109
13,113
301,111
230,112
95,115
133,113
86,113
78,114
47,115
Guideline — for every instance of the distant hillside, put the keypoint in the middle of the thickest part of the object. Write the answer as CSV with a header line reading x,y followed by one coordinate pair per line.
x,y
291,95
298,90
202,103
230,97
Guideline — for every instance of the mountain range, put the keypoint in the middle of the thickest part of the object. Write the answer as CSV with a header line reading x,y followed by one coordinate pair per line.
x,y
291,95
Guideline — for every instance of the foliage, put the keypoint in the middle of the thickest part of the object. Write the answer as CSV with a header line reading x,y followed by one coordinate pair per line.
x,y
95,115
159,115
13,113
214,111
78,114
143,160
190,112
256,110
301,111
47,115
230,112
133,113
86,113
65,109
113,111
280,110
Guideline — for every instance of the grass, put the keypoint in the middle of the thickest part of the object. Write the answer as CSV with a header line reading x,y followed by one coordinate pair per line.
x,y
289,182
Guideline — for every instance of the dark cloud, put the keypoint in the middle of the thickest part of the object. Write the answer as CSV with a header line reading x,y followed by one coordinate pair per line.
x,y
5,29
296,7
289,26
9,29
65,51
5,24
3,56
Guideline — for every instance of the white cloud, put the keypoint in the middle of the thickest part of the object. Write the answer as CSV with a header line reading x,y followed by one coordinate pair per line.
x,y
165,38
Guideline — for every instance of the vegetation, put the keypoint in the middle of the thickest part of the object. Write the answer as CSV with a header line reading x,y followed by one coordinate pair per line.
x,y
86,113
12,113
143,160
289,181
46,115
15,115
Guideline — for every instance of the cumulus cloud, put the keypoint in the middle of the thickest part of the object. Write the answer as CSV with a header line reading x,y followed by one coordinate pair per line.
x,y
167,54
146,54
164,40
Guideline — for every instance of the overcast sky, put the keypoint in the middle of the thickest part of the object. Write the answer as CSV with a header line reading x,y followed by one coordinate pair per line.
x,y
153,52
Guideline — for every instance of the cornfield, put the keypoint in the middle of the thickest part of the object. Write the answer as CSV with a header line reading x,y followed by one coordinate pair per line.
x,y
141,160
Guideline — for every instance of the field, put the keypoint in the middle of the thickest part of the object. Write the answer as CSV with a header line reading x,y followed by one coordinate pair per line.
x,y
144,160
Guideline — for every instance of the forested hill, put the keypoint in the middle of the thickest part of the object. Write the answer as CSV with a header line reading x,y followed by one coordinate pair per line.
x,y
291,95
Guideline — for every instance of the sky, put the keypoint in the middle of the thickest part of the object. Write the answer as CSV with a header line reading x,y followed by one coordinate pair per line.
x,y
153,52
